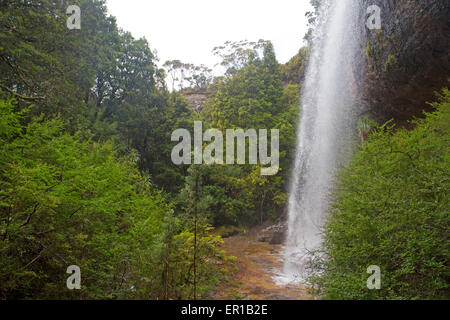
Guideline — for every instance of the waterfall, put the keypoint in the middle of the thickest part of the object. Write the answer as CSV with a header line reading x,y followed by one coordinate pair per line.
x,y
326,129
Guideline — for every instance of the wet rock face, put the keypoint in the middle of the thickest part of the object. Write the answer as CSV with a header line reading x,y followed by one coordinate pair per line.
x,y
408,59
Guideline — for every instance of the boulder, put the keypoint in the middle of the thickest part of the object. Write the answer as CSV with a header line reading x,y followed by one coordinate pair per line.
x,y
277,237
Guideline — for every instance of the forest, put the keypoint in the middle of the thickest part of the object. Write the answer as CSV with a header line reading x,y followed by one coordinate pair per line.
x,y
86,176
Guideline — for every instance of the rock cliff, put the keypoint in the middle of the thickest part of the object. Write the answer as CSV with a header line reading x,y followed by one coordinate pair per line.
x,y
408,59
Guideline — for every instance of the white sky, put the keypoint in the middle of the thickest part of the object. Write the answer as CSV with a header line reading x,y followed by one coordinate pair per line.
x,y
188,30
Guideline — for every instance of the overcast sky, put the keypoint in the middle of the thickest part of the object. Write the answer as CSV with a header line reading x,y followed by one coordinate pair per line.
x,y
188,30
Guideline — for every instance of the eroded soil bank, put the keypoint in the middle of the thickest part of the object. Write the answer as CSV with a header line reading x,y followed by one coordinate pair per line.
x,y
257,263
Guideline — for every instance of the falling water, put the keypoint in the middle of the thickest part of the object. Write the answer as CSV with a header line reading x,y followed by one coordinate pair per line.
x,y
325,129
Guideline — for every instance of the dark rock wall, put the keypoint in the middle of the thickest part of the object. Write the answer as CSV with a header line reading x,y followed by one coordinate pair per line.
x,y
408,59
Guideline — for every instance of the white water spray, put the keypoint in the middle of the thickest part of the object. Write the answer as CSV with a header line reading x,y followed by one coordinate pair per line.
x,y
325,130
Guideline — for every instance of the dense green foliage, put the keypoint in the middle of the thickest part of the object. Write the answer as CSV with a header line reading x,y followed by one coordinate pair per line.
x,y
294,70
252,97
58,209
99,79
66,200
86,176
392,210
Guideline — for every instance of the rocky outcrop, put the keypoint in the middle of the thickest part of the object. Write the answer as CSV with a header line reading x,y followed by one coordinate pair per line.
x,y
408,59
196,100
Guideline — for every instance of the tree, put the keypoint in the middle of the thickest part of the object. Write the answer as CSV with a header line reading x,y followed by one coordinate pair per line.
x,y
65,201
45,63
236,55
186,75
253,97
176,71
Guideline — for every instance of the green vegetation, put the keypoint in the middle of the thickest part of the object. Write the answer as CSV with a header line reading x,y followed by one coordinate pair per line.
x,y
59,208
294,71
390,62
86,176
392,210
254,96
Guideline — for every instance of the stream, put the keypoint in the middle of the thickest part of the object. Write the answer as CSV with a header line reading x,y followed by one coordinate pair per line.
x,y
257,265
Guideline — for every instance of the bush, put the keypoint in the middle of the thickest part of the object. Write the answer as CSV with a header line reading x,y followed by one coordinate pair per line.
x,y
67,201
392,210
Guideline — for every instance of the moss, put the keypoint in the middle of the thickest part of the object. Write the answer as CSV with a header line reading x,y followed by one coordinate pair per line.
x,y
368,50
390,62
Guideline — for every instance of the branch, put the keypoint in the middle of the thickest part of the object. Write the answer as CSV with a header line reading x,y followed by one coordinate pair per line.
x,y
19,96
76,210
29,217
34,260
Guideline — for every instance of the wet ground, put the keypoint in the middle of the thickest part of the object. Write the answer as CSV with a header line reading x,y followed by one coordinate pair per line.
x,y
257,264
